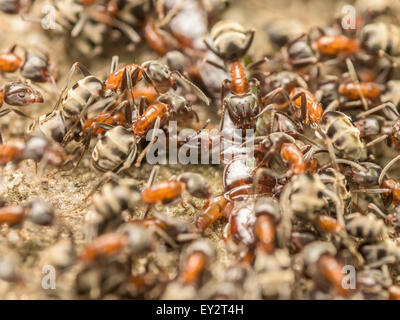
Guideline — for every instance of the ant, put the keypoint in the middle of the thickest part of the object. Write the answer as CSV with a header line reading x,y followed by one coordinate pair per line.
x,y
35,66
36,148
195,260
168,191
154,72
36,211
319,260
133,239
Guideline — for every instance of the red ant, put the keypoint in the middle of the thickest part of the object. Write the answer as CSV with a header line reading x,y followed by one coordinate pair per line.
x,y
36,148
34,66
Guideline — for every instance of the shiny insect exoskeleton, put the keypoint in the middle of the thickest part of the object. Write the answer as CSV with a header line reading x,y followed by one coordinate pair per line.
x,y
336,182
333,45
105,157
173,231
36,148
80,95
381,253
35,66
321,265
114,150
366,174
343,134
268,216
284,145
167,191
273,275
18,94
367,227
304,196
131,239
230,40
195,261
111,202
380,36
36,211
51,125
15,6
153,72
350,90
299,53
91,34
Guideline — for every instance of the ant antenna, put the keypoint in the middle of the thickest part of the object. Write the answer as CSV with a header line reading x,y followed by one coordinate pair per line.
x,y
386,168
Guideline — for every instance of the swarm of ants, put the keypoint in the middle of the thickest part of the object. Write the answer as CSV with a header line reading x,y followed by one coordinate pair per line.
x,y
313,198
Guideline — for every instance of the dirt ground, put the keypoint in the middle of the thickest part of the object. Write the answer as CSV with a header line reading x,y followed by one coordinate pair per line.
x,y
67,189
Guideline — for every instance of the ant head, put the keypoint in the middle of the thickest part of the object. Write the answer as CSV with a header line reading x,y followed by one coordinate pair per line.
x,y
242,110
176,102
159,74
196,184
21,94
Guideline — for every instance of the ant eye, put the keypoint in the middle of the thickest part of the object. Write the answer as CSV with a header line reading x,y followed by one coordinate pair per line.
x,y
320,194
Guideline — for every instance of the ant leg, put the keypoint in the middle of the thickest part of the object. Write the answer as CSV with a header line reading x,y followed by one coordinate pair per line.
x,y
377,210
150,81
107,177
86,144
152,141
75,66
221,122
171,13
376,140
386,168
143,104
104,126
150,182
153,176
224,88
131,100
372,190
114,64
303,104
129,160
332,106
20,113
331,149
269,96
80,24
338,204
127,29
355,78
378,108
210,47
76,122
249,41
260,172
385,75
255,64
215,64
383,261
199,93
311,60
